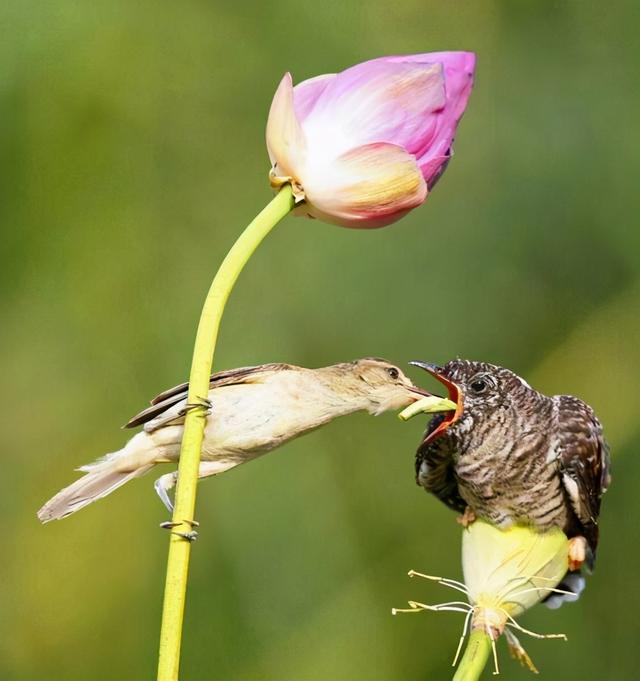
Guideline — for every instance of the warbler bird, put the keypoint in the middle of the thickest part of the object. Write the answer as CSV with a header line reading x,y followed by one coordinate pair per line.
x,y
253,410
511,455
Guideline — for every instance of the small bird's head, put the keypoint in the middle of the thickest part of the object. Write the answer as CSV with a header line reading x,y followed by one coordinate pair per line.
x,y
381,385
488,399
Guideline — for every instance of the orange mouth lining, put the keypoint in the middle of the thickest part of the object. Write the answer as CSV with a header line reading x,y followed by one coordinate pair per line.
x,y
450,417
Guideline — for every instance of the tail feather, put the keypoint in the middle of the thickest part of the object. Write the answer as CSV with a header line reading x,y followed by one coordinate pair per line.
x,y
103,476
91,486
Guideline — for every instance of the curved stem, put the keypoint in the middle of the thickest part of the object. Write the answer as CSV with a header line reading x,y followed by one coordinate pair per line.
x,y
185,499
475,657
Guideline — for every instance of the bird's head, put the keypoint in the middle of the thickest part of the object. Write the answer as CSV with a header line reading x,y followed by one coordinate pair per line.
x,y
384,387
487,398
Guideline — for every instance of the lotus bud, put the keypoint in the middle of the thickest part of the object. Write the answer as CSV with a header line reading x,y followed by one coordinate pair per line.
x,y
506,572
361,148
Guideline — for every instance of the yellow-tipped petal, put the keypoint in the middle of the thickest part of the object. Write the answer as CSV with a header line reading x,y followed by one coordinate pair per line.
x,y
370,186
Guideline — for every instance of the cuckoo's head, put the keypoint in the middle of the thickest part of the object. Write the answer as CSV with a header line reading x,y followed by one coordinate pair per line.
x,y
489,399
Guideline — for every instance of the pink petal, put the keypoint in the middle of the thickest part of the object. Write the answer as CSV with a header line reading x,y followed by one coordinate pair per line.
x,y
285,139
458,67
378,102
432,141
306,93
463,62
458,70
432,167
370,186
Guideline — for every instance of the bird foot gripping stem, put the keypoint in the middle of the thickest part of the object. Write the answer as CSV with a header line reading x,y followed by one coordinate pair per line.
x,y
467,518
203,404
167,482
190,536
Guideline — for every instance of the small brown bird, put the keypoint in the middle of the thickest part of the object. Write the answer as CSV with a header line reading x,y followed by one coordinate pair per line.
x,y
253,410
510,454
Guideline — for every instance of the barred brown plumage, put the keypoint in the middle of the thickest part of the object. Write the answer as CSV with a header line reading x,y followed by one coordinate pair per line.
x,y
515,456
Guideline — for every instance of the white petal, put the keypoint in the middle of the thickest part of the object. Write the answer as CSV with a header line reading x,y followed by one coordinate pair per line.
x,y
285,139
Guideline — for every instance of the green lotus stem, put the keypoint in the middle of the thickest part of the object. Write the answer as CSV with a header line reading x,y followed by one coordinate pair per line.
x,y
201,365
475,657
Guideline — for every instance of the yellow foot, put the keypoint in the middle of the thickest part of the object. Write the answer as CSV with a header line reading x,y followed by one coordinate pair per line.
x,y
467,517
577,552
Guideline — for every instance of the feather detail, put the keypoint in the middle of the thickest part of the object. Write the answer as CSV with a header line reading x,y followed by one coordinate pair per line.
x,y
166,399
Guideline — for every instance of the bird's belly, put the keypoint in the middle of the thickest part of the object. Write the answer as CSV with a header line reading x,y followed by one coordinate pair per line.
x,y
247,423
250,439
506,498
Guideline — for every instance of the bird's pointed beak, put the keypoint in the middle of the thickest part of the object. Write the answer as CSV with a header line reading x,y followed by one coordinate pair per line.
x,y
454,401
429,403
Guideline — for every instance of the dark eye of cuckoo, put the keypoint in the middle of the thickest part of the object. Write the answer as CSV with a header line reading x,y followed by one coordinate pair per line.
x,y
393,372
479,385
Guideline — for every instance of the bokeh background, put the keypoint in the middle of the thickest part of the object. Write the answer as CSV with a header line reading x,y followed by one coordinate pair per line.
x,y
132,154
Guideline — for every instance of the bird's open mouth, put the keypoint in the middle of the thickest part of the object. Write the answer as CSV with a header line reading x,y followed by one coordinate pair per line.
x,y
454,394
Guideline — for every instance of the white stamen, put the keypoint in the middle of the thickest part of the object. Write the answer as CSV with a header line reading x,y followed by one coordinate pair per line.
x,y
469,610
543,588
513,623
445,581
495,652
465,626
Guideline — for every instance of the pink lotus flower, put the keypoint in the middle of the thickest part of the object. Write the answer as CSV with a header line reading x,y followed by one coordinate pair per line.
x,y
363,147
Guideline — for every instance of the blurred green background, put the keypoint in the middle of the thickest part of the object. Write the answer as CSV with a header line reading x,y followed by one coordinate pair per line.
x,y
132,154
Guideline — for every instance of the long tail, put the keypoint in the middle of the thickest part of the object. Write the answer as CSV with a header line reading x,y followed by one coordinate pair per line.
x,y
101,478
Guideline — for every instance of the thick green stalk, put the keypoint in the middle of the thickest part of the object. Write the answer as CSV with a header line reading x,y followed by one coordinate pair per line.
x,y
475,657
185,500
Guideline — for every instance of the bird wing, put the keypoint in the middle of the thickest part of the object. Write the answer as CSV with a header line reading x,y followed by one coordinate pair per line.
x,y
583,463
167,399
435,469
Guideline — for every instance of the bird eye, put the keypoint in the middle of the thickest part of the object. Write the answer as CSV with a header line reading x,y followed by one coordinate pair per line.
x,y
393,372
479,385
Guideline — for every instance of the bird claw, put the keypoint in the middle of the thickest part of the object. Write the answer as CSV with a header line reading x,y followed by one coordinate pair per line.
x,y
200,403
169,525
467,518
162,486
189,536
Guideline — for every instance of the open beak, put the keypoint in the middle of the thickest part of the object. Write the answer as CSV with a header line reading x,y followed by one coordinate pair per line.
x,y
419,392
454,408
